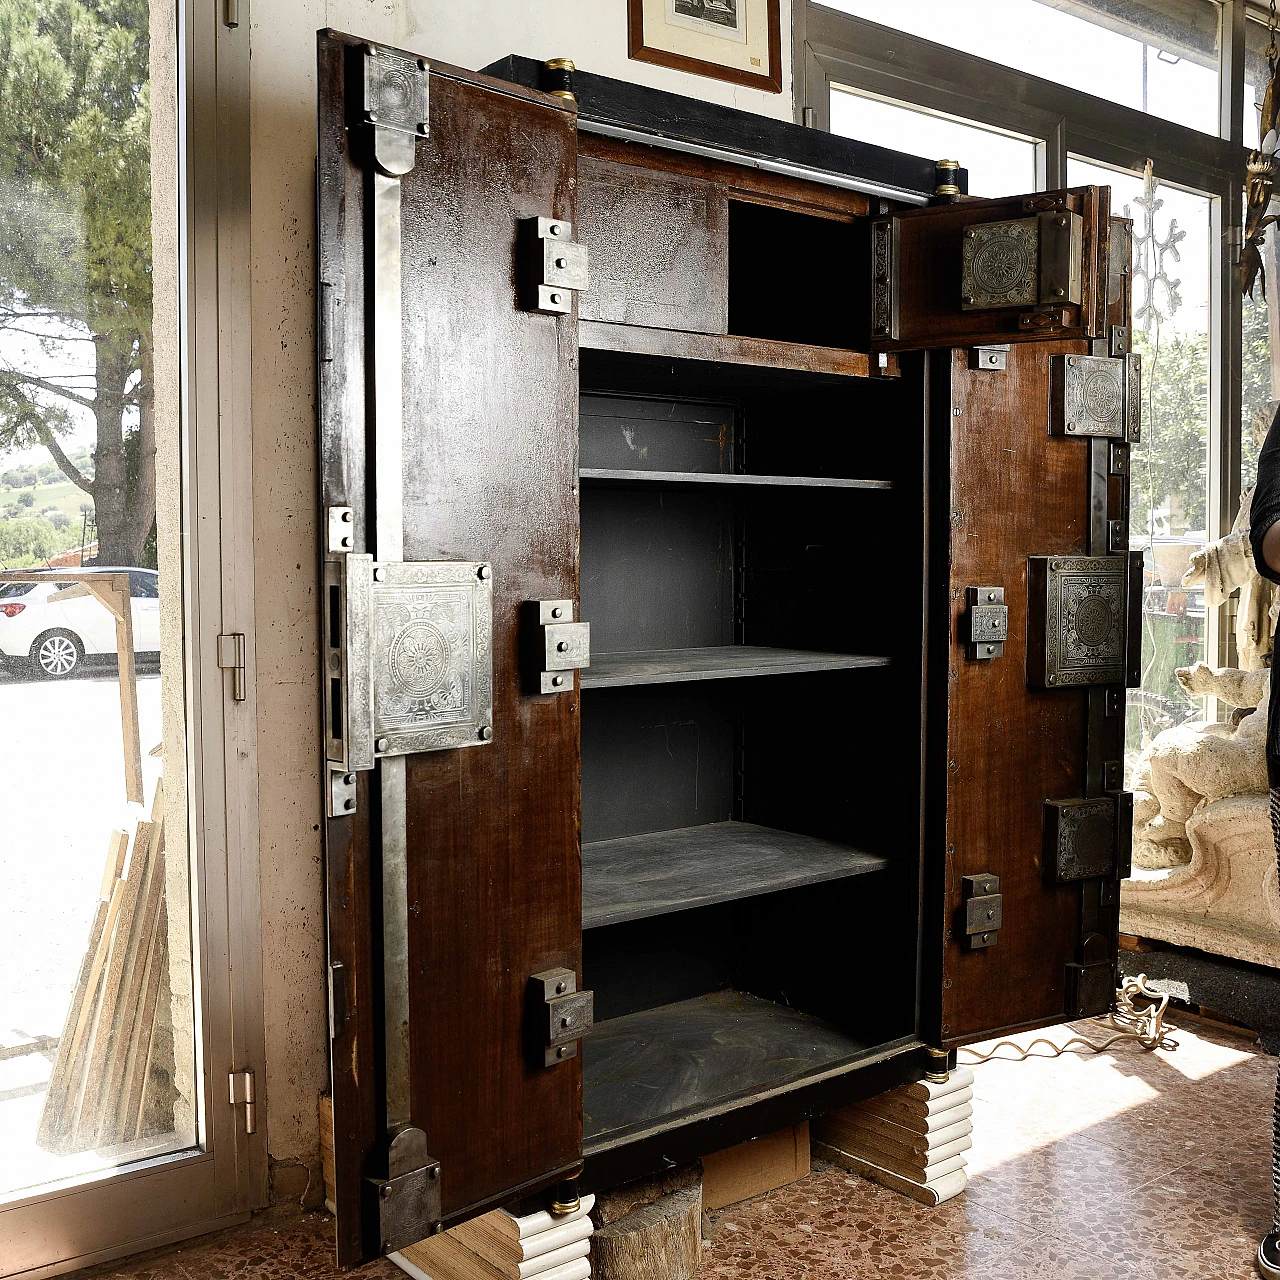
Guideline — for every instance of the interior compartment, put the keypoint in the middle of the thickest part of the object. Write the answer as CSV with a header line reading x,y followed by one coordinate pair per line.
x,y
793,276
747,925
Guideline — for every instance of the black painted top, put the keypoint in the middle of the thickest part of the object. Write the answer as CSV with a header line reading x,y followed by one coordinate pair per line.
x,y
603,100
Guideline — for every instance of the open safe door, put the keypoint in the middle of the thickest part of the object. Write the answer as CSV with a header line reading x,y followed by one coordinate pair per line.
x,y
448,457
1034,409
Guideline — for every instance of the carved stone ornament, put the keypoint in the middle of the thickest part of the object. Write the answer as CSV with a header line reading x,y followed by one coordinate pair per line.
x,y
1000,265
1077,608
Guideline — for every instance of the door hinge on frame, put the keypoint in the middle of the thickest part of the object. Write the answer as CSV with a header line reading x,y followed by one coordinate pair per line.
x,y
231,651
242,1094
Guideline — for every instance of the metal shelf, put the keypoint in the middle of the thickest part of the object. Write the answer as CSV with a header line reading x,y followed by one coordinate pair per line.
x,y
606,474
719,662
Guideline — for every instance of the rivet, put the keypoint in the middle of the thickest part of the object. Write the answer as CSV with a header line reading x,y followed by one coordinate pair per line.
x,y
1059,293
349,779
561,1051
484,572
995,626
562,263
379,575
383,744
555,297
557,681
346,541
554,228
434,1172
557,612
1053,679
560,988
348,804
1071,426
384,1191
955,413
346,517
486,732
1071,360
991,595
564,1022
373,117
562,647
991,360
991,648
967,301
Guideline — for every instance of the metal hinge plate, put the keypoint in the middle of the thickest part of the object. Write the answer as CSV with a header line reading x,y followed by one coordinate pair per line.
x,y
554,265
988,618
983,910
231,657
242,1095
561,1013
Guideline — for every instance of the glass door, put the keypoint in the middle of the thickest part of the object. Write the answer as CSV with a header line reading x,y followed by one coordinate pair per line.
x,y
115,992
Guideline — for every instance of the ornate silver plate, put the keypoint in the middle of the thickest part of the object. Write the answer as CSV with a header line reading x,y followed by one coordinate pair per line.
x,y
420,656
1000,265
1076,620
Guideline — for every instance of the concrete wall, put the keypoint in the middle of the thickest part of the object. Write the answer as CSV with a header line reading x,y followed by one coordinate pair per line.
x,y
470,34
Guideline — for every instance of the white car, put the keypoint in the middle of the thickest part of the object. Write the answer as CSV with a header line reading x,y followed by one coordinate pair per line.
x,y
53,636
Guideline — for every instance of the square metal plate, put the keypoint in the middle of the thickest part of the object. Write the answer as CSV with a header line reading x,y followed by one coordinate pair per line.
x,y
420,656
1088,397
1000,265
1076,614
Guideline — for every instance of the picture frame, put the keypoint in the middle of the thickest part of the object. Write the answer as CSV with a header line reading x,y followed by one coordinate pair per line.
x,y
735,40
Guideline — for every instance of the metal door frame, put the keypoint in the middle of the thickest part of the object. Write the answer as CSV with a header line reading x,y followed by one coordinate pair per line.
x,y
154,1202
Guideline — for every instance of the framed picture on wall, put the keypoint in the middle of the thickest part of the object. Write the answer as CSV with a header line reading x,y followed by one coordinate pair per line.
x,y
735,40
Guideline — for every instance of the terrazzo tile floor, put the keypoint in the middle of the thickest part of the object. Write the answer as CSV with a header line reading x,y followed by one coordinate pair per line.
x,y
1123,1164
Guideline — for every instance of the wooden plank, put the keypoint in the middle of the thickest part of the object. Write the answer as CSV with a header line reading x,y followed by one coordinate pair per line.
x,y
763,353
717,662
664,1065
726,478
139,1036
636,877
51,1130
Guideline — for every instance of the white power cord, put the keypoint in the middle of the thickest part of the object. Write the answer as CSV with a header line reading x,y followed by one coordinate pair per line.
x,y
1131,1021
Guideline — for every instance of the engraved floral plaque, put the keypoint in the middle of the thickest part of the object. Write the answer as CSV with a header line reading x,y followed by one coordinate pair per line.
x,y
1080,838
1000,265
1076,620
1088,397
420,656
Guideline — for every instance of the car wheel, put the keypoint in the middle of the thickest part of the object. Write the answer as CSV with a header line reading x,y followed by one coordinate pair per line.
x,y
56,654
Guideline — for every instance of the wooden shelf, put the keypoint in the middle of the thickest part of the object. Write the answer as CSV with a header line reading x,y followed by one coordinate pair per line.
x,y
719,662
606,474
661,1067
637,877
723,349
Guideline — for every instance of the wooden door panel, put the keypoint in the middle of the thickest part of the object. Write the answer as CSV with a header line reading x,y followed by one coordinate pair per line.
x,y
491,450
1015,492
489,475
917,300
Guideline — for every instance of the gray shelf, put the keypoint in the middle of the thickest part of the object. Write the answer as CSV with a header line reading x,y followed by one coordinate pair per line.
x,y
719,662
660,1067
636,877
736,480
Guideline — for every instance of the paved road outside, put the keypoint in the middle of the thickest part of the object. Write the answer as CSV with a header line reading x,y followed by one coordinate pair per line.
x,y
62,766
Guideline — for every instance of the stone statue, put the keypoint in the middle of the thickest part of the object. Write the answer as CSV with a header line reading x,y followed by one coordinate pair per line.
x,y
1205,870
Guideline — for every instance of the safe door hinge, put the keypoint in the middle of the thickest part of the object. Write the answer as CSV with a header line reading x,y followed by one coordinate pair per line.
x,y
553,266
987,622
231,651
559,1015
983,910
242,1095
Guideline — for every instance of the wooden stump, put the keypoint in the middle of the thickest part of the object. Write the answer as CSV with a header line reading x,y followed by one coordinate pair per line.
x,y
660,1241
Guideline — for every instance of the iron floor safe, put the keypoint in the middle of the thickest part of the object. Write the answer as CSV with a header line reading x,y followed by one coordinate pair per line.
x,y
727,614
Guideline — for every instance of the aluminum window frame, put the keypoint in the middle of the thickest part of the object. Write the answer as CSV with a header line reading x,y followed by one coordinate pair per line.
x,y
220,1181
830,47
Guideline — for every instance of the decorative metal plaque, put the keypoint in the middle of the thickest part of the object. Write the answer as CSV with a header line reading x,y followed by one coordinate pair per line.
x,y
395,91
1133,397
420,656
1088,397
1080,838
1076,620
1000,265
884,310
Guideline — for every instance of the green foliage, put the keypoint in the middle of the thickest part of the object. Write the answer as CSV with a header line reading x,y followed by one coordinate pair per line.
x,y
1170,467
29,541
26,499
75,233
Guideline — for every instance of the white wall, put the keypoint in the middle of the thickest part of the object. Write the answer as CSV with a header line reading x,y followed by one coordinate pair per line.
x,y
470,34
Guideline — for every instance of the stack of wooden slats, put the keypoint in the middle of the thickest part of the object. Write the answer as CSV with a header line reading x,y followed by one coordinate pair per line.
x,y
103,1087
912,1139
501,1246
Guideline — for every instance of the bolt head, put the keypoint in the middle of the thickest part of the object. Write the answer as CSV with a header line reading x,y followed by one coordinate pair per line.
x,y
560,988
486,732
348,805
991,595
434,1172
555,297
484,573
1059,293
561,1051
991,649
557,681
554,228
562,646
346,516
993,360
968,301
557,612
564,1022
346,540
562,263
383,744
380,575
349,779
